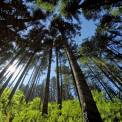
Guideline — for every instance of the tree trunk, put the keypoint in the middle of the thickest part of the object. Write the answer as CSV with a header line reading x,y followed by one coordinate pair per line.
x,y
89,108
57,79
46,95
101,83
18,81
13,80
29,82
33,82
61,80
9,64
107,75
7,73
9,78
74,80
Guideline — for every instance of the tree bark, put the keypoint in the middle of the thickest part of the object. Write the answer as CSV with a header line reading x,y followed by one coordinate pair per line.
x,y
57,79
89,108
46,95
74,80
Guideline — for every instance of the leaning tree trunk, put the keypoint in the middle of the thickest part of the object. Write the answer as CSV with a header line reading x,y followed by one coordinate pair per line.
x,y
9,64
46,95
9,78
7,73
57,80
107,75
107,69
18,81
29,83
89,108
74,80
33,82
101,83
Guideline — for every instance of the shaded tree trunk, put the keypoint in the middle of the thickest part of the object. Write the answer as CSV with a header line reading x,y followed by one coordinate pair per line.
x,y
74,79
61,79
89,108
46,95
107,75
101,83
57,79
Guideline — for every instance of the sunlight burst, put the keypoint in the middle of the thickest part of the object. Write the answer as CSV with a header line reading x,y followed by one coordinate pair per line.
x,y
12,69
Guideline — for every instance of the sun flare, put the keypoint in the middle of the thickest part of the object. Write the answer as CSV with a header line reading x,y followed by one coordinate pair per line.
x,y
12,69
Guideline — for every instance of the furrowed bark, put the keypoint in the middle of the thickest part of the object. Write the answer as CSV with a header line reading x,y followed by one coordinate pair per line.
x,y
89,108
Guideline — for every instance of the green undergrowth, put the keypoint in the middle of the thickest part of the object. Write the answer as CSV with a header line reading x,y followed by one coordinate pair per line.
x,y
19,111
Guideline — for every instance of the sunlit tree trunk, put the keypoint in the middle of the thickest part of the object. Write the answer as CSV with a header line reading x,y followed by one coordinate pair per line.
x,y
18,81
13,80
46,93
7,73
9,78
89,108
10,63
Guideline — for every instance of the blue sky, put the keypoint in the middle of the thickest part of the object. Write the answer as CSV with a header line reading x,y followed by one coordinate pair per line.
x,y
88,29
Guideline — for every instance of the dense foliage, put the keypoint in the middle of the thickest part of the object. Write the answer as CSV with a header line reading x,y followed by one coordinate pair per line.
x,y
19,111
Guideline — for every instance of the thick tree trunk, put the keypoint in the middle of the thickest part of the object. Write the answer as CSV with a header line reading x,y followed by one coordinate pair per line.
x,y
57,79
89,108
74,80
46,95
